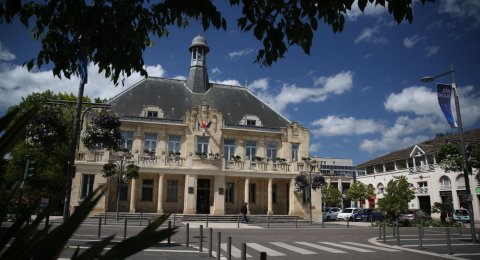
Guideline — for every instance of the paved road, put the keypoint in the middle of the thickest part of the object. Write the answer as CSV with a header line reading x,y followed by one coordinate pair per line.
x,y
334,240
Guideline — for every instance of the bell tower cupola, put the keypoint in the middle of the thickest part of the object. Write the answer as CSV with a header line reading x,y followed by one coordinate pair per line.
x,y
198,76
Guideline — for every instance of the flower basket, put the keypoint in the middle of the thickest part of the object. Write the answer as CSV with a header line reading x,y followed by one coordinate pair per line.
x,y
46,128
131,172
237,158
103,132
109,170
300,183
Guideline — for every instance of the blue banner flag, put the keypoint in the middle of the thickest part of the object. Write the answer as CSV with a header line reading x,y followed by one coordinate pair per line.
x,y
82,69
444,92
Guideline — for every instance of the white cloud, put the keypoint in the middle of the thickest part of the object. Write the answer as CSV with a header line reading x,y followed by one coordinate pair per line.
x,y
230,82
462,9
17,82
431,50
240,53
333,125
409,42
314,147
417,100
371,10
216,70
5,54
323,88
370,34
259,84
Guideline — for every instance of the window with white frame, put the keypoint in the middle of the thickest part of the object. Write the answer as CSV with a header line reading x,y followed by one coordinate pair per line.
x,y
150,142
127,140
202,144
228,149
422,187
272,150
87,184
174,142
295,152
250,150
445,183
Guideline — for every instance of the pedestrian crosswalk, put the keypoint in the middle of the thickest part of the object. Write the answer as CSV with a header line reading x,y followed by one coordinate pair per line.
x,y
304,248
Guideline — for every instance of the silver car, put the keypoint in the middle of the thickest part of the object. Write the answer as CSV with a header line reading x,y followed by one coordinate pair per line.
x,y
330,213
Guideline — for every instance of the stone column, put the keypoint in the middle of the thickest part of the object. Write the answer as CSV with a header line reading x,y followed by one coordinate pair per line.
x,y
247,193
291,197
270,199
190,199
161,181
219,197
133,195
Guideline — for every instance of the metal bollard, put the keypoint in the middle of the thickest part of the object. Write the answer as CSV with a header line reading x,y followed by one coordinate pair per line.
x,y
169,227
268,221
125,228
210,241
188,234
99,226
219,241
421,227
393,229
174,219
384,233
201,239
296,221
348,222
207,222
263,255
449,244
243,254
323,223
380,231
229,248
238,221
398,233
141,218
148,221
420,242
105,219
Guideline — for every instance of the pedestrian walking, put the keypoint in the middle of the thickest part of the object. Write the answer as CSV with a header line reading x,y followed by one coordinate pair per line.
x,y
244,213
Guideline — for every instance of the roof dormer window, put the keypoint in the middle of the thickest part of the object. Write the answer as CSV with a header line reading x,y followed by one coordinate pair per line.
x,y
251,120
152,114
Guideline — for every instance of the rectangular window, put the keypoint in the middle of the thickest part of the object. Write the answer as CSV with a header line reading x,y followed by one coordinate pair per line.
x,y
295,152
251,122
274,193
229,192
252,193
272,150
250,150
228,149
150,143
202,144
152,114
174,142
123,191
172,188
147,190
127,140
87,184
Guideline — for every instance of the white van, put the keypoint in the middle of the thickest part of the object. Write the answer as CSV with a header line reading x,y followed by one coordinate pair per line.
x,y
461,215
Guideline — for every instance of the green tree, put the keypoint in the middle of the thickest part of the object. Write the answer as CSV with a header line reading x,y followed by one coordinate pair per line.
x,y
444,209
359,191
450,157
397,195
331,196
100,30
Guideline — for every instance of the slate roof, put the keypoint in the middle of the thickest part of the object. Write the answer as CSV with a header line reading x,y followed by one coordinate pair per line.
x,y
428,146
174,98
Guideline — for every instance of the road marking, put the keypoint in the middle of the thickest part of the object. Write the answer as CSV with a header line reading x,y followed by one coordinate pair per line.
x,y
294,248
427,245
324,248
372,247
236,253
348,247
260,248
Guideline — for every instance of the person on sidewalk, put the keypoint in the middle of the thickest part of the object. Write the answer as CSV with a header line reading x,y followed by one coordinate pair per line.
x,y
244,213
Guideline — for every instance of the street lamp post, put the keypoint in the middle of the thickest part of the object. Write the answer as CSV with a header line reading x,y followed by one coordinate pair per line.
x,y
462,143
77,126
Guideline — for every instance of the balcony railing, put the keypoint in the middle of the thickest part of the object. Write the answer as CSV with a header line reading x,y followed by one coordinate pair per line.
x,y
421,190
445,187
422,168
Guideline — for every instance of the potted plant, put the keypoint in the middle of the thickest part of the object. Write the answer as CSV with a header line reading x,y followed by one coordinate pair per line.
x,y
201,155
237,158
148,152
259,159
281,160
103,132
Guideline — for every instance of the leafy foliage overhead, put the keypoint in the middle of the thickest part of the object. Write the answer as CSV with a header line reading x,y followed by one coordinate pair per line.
x,y
101,30
451,159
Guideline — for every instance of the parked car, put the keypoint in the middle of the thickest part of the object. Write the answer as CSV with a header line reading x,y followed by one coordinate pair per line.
x,y
330,213
347,213
414,215
369,215
461,215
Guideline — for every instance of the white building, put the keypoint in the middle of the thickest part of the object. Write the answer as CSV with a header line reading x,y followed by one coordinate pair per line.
x,y
419,164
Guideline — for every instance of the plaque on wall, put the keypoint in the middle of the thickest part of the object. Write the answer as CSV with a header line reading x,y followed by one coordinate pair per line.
x,y
190,190
220,191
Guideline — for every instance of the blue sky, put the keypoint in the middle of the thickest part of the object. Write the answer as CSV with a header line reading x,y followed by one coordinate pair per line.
x,y
359,92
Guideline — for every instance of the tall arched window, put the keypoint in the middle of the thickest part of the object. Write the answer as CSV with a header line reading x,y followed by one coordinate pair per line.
x,y
445,183
380,188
